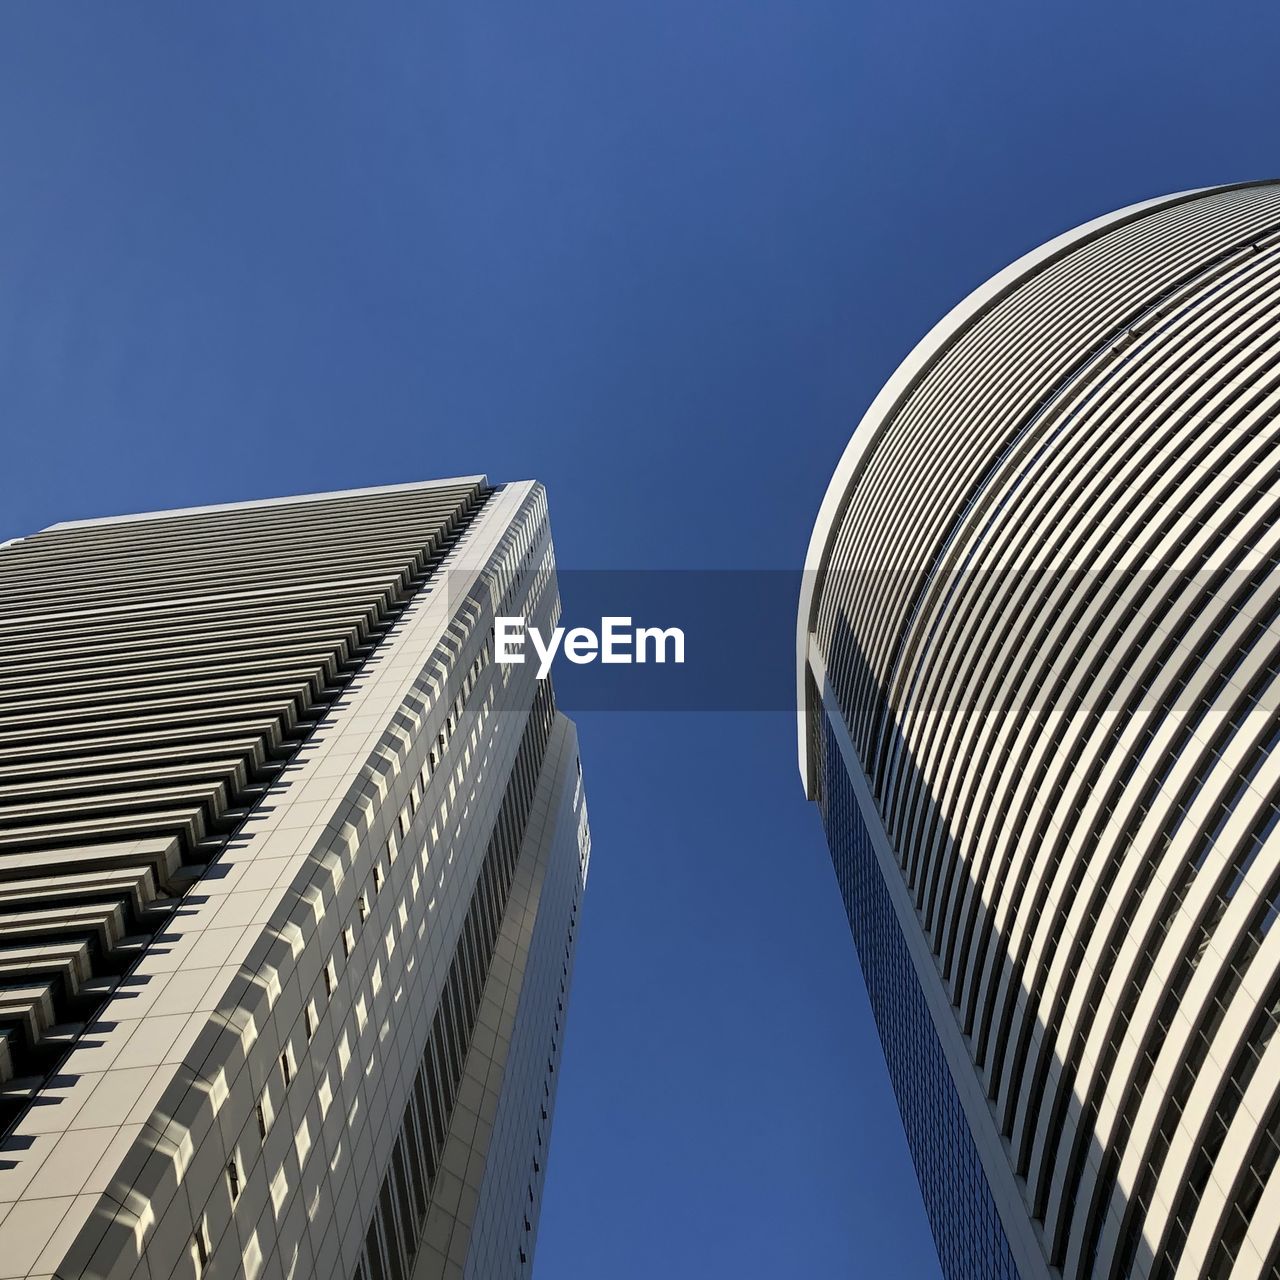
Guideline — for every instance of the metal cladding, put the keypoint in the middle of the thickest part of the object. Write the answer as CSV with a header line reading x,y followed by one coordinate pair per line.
x,y
290,874
156,677
1044,610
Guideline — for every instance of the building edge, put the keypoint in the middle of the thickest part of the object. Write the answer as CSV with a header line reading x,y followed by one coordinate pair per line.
x,y
104,1205
1006,1190
900,386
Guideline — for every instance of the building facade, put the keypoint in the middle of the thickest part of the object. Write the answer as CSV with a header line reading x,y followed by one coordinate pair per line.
x,y
1038,652
289,891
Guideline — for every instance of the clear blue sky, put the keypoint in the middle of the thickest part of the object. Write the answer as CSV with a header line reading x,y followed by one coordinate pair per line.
x,y
660,256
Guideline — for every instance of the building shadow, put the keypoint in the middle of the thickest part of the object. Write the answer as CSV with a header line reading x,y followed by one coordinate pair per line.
x,y
972,1055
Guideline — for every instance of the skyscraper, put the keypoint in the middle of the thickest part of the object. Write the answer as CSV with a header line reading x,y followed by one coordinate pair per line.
x,y
1038,652
289,890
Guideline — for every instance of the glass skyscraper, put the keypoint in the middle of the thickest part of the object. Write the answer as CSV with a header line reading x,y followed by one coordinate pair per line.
x,y
289,892
1039,711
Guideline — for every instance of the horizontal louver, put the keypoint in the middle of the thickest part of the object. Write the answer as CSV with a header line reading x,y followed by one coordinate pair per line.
x,y
156,675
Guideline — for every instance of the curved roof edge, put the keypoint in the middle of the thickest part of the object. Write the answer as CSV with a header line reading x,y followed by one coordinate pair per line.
x,y
902,383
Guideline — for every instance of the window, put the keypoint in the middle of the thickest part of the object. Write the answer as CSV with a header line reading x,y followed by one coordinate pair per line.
x,y
201,1242
394,1231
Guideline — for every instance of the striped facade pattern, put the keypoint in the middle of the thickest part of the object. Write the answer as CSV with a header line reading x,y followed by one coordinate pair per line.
x,y
1048,614
271,739
156,676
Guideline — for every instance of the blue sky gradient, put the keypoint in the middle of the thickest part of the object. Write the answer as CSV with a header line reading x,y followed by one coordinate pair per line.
x,y
659,256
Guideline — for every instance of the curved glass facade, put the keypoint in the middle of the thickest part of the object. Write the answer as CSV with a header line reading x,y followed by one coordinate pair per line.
x,y
1044,605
